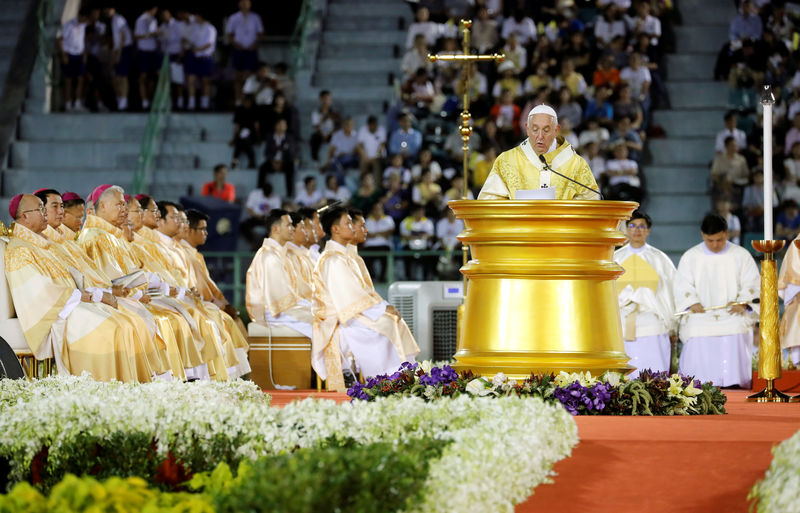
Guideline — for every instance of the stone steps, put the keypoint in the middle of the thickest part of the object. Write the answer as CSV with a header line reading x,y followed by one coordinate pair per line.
x,y
698,151
698,94
689,123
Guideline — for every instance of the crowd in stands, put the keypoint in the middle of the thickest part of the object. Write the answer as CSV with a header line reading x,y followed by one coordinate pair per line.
x,y
762,50
600,67
102,53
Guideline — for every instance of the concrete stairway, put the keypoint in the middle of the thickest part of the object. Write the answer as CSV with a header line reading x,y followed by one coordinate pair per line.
x,y
358,58
678,173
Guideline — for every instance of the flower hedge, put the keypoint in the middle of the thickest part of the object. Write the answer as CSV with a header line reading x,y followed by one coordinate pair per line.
x,y
779,490
166,433
652,393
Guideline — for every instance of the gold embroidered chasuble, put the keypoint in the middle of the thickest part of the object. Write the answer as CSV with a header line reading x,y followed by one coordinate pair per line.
x,y
272,285
342,294
107,247
788,284
520,169
160,332
93,338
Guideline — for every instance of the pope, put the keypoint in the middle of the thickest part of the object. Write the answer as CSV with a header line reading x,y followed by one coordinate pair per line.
x,y
521,168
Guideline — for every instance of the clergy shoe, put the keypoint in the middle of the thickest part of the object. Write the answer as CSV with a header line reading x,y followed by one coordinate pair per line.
x,y
349,378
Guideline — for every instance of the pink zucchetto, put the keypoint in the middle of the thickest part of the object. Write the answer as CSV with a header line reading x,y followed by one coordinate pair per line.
x,y
97,192
70,196
14,206
140,197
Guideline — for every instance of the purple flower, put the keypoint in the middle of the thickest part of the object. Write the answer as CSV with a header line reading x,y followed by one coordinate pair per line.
x,y
357,392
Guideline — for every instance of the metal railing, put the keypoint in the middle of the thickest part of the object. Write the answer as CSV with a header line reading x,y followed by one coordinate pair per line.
x,y
240,260
298,38
156,120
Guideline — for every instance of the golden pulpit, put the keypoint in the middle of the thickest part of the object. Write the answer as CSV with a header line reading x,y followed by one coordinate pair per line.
x,y
542,293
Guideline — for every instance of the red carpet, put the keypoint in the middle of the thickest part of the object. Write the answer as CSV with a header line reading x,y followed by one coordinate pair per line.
x,y
668,464
657,464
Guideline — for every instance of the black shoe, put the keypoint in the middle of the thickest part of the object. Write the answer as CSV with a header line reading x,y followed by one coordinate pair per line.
x,y
349,378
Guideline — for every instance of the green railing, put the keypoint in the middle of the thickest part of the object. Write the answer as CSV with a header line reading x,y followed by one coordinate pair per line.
x,y
49,20
298,38
241,260
156,120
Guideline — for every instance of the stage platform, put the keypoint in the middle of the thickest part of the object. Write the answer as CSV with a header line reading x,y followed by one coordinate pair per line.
x,y
699,464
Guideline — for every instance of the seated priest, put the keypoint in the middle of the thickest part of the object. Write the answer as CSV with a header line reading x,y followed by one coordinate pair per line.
x,y
788,288
350,319
272,295
522,167
59,320
716,284
645,298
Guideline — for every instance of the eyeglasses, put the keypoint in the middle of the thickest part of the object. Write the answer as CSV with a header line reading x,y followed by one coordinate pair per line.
x,y
638,227
42,210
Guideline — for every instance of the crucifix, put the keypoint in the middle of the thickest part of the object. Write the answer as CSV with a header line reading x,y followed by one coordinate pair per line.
x,y
466,58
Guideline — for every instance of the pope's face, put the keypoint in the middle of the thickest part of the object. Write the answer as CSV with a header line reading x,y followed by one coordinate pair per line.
x,y
542,131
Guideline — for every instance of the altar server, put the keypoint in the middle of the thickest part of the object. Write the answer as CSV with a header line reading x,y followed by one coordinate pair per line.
x,y
271,293
521,168
645,298
57,319
350,319
788,288
715,284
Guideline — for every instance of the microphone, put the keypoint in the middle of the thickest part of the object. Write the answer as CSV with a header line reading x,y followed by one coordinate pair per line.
x,y
547,166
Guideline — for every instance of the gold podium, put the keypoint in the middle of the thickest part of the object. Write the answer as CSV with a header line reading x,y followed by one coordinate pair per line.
x,y
542,293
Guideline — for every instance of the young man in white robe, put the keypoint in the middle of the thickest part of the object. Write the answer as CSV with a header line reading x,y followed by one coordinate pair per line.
x,y
716,284
271,288
645,298
350,319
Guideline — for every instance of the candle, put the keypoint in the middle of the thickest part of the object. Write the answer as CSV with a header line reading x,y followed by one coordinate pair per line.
x,y
767,100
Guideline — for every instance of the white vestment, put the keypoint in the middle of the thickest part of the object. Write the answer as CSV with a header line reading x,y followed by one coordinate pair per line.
x,y
717,344
646,306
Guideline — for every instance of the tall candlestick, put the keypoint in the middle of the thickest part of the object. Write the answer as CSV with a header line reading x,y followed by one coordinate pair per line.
x,y
767,100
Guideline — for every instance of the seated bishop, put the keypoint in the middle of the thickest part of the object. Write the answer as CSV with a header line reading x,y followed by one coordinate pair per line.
x,y
788,288
272,296
715,286
521,168
60,321
351,321
645,298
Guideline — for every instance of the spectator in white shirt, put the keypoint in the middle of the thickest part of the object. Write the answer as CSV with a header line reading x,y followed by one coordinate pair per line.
x,y
423,26
173,33
623,176
448,228
396,167
309,196
734,224
371,146
261,85
203,43
608,25
259,202
638,78
416,57
380,228
522,25
244,31
730,131
417,233
334,191
342,153
121,55
593,157
145,32
644,23
73,60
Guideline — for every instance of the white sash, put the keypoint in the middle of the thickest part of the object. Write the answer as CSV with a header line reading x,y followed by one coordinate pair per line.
x,y
559,160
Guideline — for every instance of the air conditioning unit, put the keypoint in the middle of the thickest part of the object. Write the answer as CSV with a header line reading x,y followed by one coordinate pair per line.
x,y
430,308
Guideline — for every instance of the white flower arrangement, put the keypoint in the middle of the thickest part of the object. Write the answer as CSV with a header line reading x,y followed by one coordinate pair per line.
x,y
519,439
778,491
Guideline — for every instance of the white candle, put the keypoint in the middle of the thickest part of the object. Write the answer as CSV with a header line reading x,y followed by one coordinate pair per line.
x,y
767,103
